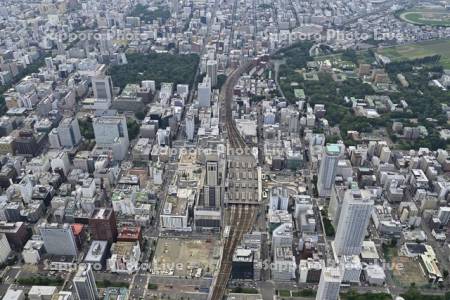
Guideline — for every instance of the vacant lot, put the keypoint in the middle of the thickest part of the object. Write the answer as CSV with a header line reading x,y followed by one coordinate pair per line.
x,y
409,272
419,50
182,257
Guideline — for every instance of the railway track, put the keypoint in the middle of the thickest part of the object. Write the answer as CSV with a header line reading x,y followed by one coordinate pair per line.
x,y
239,217
241,221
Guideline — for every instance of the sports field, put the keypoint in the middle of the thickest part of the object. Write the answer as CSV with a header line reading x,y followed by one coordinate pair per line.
x,y
426,16
419,50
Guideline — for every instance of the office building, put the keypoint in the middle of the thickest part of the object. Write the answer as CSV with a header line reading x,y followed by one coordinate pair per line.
x,y
69,132
102,224
247,262
207,214
310,270
279,198
16,233
190,125
283,265
211,71
5,249
327,170
212,173
444,215
29,144
41,292
84,283
12,294
282,236
242,264
353,222
111,133
33,251
109,128
97,254
103,91
329,284
204,93
58,239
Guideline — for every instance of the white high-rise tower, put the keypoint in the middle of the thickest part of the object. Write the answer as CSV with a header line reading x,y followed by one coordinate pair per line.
x,y
353,222
327,169
329,284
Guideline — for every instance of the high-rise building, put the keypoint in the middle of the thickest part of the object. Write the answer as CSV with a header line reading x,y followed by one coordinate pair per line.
x,y
204,93
102,87
69,132
211,196
190,125
49,63
444,215
103,225
211,191
58,239
279,198
111,132
329,284
327,169
5,249
53,139
103,92
16,233
207,213
282,236
108,128
211,71
28,143
84,283
353,221
212,173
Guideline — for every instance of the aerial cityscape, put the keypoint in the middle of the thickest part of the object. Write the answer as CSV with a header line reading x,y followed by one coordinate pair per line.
x,y
224,149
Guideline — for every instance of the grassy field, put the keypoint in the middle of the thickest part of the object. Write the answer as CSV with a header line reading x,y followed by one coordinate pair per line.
x,y
363,57
426,16
418,50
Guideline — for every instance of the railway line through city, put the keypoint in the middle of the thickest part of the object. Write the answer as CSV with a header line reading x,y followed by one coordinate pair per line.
x,y
239,217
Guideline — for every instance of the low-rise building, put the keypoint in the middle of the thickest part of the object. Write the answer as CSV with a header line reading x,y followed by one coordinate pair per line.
x,y
124,257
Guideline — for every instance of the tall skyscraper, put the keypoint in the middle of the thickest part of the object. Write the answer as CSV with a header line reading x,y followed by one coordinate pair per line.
x,y
329,284
211,71
353,222
102,224
327,169
58,239
84,283
69,132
